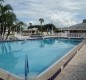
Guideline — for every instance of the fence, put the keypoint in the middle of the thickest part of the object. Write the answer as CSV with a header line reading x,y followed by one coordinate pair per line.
x,y
71,35
19,36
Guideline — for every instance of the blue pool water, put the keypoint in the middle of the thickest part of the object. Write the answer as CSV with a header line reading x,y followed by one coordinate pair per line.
x,y
41,54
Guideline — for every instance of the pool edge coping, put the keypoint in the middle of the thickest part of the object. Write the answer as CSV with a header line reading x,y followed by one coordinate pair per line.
x,y
40,38
60,64
5,74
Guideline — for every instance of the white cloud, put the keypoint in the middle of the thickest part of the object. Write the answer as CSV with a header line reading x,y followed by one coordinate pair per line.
x,y
60,12
63,18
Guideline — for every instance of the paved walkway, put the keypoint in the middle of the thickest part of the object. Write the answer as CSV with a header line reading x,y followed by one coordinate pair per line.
x,y
76,69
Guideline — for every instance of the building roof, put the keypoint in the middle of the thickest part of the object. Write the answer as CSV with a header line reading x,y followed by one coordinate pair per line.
x,y
81,26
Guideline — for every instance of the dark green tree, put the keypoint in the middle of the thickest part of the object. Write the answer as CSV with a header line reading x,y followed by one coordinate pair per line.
x,y
20,26
41,21
11,18
30,24
4,9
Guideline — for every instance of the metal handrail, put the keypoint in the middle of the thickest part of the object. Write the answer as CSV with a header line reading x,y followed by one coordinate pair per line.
x,y
26,67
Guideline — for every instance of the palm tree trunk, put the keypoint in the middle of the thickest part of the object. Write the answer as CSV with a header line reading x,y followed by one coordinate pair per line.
x,y
7,34
4,29
41,28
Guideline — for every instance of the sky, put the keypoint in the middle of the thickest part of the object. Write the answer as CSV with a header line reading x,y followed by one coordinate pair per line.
x,y
62,13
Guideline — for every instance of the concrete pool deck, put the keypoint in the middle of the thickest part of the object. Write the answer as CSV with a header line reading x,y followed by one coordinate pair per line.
x,y
76,68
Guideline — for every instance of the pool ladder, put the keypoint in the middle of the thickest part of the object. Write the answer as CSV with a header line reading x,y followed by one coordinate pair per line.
x,y
26,67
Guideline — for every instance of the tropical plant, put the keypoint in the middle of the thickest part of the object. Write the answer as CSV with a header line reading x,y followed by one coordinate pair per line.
x,y
45,28
20,26
11,18
41,21
30,24
4,10
8,20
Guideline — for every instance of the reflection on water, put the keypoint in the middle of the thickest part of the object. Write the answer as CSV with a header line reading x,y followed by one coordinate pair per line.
x,y
8,60
46,42
53,40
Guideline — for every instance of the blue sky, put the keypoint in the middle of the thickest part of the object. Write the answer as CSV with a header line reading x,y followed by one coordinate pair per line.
x,y
61,13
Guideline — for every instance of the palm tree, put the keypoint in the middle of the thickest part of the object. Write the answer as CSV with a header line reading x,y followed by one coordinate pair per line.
x,y
3,15
20,24
41,21
30,24
10,19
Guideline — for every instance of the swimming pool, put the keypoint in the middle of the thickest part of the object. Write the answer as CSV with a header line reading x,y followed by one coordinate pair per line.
x,y
41,53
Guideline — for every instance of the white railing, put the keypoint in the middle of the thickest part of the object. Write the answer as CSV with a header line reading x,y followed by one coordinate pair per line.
x,y
68,35
19,36
71,35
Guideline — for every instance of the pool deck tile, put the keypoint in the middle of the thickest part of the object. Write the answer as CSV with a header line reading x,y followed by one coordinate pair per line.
x,y
76,68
